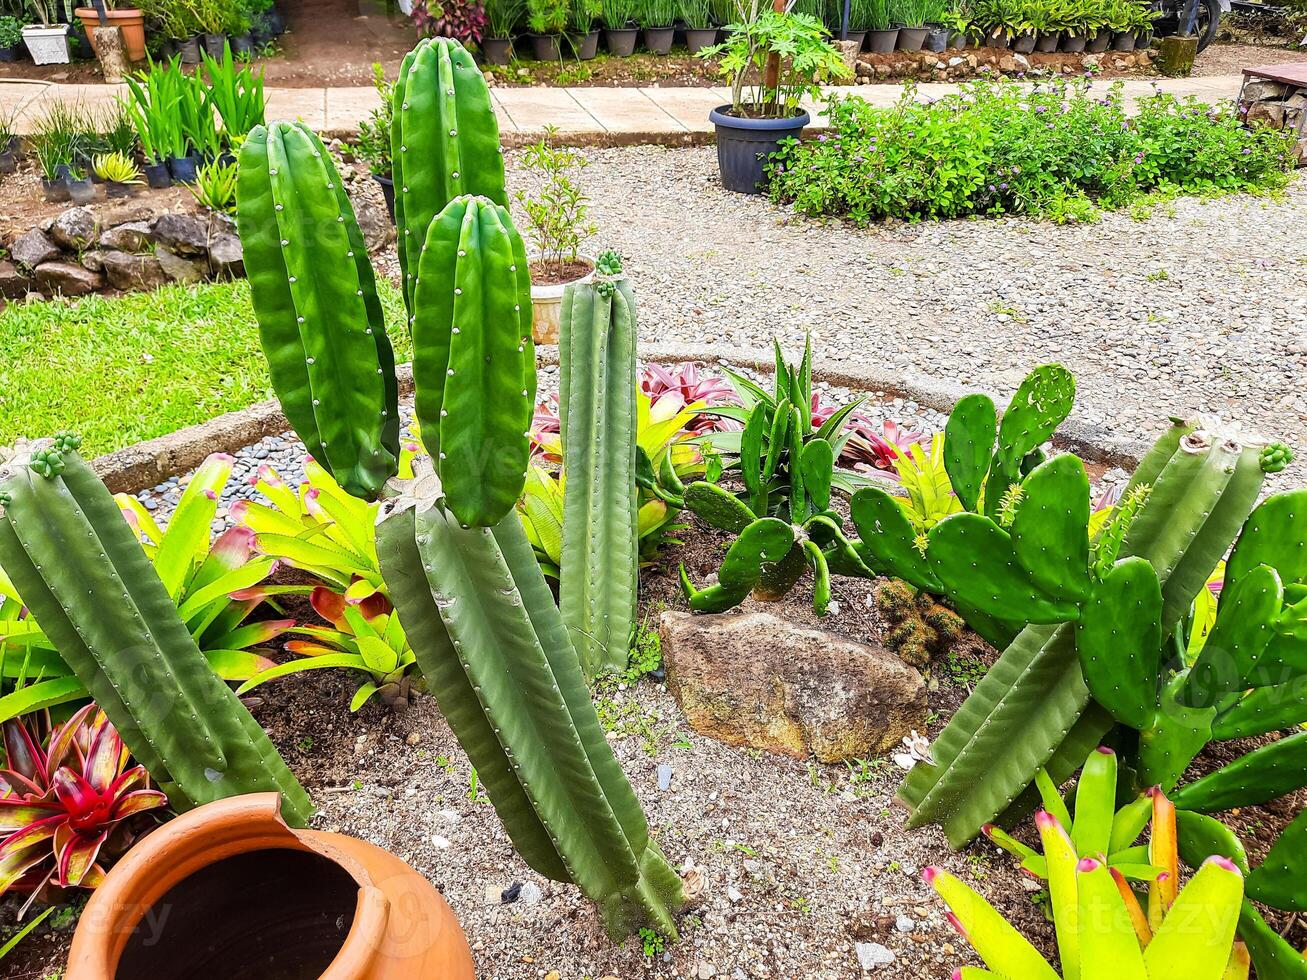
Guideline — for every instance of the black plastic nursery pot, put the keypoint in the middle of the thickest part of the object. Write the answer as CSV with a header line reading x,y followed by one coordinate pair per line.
x,y
1074,43
859,37
497,50
998,38
1143,40
183,169
114,189
8,162
189,49
883,42
157,175
911,38
387,186
55,191
1025,43
585,46
743,146
659,39
11,53
214,45
546,47
1047,43
621,41
81,191
698,38
242,45
1124,41
937,39
1099,43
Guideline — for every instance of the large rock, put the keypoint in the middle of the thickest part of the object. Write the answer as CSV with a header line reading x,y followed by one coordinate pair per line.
x,y
13,284
179,269
226,257
133,236
128,271
761,681
67,279
33,249
75,229
183,234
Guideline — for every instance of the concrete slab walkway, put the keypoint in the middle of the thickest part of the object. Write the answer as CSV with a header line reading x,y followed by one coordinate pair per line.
x,y
586,115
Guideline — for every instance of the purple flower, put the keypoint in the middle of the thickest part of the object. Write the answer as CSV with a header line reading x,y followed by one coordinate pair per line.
x,y
992,187
1003,186
1041,109
1247,150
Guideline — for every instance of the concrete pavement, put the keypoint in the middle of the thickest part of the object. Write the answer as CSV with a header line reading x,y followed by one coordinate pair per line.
x,y
583,115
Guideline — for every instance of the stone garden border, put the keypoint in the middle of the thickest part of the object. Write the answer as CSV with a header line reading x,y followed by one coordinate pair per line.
x,y
148,463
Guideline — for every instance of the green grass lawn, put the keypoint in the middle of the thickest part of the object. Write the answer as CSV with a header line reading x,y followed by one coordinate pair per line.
x,y
117,371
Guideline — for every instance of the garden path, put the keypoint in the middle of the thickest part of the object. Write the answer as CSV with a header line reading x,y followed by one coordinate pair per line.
x,y
586,115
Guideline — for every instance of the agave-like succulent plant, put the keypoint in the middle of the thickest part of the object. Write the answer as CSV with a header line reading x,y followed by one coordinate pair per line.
x,y
61,801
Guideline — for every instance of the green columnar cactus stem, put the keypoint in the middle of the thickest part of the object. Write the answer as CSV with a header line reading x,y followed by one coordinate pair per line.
x,y
597,385
444,144
320,321
494,648
1263,774
1204,486
84,577
473,359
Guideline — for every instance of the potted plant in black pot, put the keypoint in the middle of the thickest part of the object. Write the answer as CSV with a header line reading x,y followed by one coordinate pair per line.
x,y
11,38
658,19
619,35
772,61
910,18
873,17
502,17
119,172
374,137
54,170
547,19
700,31
581,31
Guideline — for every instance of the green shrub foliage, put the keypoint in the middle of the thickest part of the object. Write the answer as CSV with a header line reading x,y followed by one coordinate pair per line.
x,y
1061,149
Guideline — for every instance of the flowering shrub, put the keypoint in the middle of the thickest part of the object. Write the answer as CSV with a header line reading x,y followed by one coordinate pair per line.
x,y
1057,150
463,20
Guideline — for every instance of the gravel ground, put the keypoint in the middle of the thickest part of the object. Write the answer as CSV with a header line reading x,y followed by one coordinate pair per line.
x,y
1202,307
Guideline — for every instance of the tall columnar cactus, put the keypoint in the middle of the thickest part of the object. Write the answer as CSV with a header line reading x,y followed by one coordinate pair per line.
x,y
315,298
473,359
68,551
444,144
597,407
1033,708
497,654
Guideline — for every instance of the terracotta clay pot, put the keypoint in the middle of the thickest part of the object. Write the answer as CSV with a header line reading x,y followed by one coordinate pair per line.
x,y
229,891
131,20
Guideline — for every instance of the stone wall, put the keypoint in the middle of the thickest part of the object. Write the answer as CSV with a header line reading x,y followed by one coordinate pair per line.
x,y
954,65
119,247
1279,106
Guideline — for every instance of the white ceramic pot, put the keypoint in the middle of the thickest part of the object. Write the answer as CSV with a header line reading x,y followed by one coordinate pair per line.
x,y
547,303
48,45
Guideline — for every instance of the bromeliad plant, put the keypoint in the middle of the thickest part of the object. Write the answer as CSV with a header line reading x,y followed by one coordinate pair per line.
x,y
364,636
1276,883
1103,929
64,799
481,619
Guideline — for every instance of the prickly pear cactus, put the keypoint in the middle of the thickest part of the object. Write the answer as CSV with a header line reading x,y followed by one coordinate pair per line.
x,y
85,579
315,298
473,359
444,144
